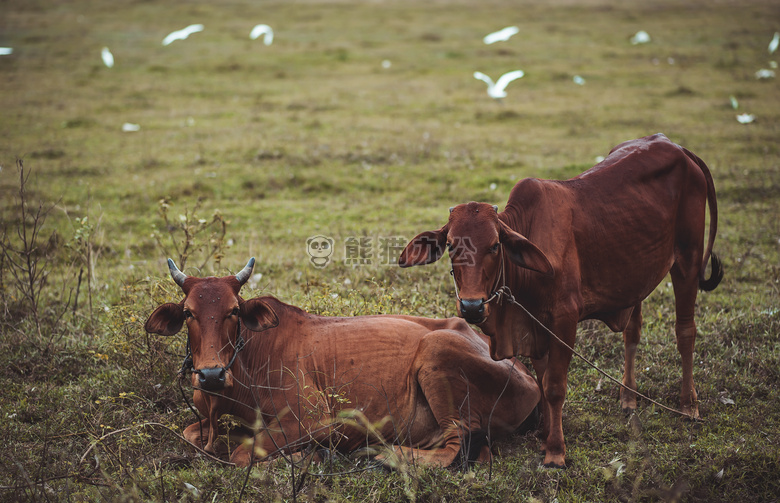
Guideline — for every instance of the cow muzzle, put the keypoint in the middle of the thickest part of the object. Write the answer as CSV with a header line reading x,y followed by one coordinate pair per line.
x,y
472,310
212,379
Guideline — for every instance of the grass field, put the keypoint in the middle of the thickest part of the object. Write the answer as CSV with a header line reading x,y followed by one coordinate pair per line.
x,y
362,120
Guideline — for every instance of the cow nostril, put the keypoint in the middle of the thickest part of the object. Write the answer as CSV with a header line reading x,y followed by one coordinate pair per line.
x,y
212,379
472,307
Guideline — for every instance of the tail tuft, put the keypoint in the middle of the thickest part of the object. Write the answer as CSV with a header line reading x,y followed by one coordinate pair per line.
x,y
716,274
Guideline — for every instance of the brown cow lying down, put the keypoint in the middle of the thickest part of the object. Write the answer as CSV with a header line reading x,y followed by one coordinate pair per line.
x,y
428,385
593,247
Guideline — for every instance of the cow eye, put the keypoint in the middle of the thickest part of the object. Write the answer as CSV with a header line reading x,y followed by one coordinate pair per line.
x,y
449,247
494,248
187,314
235,311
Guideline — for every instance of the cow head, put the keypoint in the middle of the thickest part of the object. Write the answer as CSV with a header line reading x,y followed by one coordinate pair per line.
x,y
213,312
476,240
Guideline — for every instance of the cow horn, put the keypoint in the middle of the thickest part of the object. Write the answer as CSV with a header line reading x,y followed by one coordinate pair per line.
x,y
495,208
244,273
176,274
452,208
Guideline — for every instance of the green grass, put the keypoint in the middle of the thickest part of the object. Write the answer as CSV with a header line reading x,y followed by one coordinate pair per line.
x,y
311,135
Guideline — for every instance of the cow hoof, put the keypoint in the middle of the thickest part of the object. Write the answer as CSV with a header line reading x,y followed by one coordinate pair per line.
x,y
553,461
387,465
555,465
241,459
364,453
628,410
390,460
691,413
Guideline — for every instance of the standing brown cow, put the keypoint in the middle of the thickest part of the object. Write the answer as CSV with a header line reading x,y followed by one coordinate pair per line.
x,y
593,247
427,385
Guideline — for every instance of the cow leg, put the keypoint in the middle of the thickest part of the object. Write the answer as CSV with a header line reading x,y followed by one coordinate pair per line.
x,y
461,390
454,408
197,433
685,290
631,340
457,439
540,367
283,433
554,384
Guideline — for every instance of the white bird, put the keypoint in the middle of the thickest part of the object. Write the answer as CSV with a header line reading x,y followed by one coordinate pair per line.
x,y
191,488
108,58
641,37
265,30
182,34
5,51
734,102
579,80
765,73
129,127
745,118
501,35
774,43
497,90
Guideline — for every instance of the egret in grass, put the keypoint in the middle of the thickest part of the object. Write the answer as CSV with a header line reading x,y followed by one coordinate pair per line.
x,y
182,34
108,58
266,31
641,37
501,35
497,90
745,118
774,43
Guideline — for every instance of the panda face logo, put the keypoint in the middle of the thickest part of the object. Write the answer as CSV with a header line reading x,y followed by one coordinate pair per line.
x,y
319,248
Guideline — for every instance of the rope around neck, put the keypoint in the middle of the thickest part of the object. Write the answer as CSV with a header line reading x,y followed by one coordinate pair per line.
x,y
504,291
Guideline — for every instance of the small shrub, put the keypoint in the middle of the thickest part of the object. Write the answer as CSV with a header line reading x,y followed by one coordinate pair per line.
x,y
30,294
190,236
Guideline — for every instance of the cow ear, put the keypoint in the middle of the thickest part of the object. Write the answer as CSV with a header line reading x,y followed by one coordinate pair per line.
x,y
425,248
258,315
523,252
166,320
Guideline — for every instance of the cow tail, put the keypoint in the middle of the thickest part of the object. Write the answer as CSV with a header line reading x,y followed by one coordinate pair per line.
x,y
716,266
